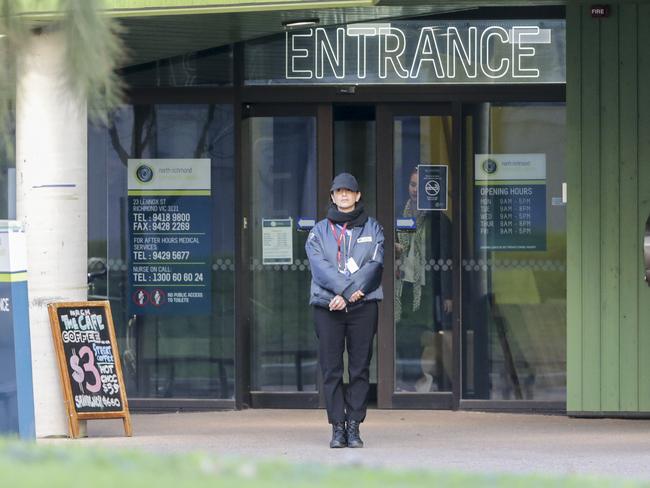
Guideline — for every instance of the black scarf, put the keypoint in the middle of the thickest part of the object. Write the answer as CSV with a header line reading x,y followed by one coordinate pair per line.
x,y
356,218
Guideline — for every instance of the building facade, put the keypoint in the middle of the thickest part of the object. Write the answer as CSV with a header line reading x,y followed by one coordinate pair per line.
x,y
500,144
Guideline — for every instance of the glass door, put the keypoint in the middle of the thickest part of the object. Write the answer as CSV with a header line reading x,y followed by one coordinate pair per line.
x,y
279,149
174,356
514,255
419,149
405,159
355,152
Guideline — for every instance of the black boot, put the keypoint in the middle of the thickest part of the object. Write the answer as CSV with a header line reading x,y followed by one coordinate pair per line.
x,y
339,438
353,434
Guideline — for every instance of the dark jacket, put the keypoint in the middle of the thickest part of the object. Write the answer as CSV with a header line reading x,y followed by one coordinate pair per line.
x,y
367,249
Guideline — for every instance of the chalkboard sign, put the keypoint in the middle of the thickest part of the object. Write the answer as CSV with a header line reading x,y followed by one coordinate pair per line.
x,y
89,363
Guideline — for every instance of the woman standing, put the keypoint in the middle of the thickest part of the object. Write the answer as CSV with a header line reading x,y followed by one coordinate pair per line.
x,y
346,255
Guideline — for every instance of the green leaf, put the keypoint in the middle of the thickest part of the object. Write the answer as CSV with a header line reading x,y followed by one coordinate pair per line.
x,y
93,51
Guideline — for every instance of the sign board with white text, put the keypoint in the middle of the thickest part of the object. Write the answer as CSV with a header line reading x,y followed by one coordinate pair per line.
x,y
16,379
413,52
170,237
89,363
510,202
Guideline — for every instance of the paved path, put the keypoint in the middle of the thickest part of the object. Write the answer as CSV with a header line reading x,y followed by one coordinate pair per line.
x,y
466,441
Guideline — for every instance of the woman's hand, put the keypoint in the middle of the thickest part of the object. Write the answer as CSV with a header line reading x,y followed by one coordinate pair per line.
x,y
398,249
357,295
337,303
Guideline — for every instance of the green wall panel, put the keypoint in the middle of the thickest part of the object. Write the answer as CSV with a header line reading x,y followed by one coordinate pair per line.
x,y
608,99
644,199
591,272
628,241
574,210
609,217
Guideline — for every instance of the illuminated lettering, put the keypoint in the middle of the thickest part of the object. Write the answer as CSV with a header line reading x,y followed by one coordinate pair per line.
x,y
448,53
500,34
427,51
466,53
519,51
390,54
324,49
361,33
295,54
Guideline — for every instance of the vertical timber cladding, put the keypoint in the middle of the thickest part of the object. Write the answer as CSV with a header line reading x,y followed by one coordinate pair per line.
x,y
643,191
608,101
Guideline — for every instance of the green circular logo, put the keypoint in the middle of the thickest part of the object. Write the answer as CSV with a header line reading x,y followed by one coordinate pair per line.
x,y
144,173
490,166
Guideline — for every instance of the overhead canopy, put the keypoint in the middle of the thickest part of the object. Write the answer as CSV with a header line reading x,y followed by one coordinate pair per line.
x,y
160,29
153,38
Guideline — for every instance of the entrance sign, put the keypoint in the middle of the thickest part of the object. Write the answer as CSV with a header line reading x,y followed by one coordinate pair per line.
x,y
432,187
170,237
16,383
414,51
510,202
89,363
277,241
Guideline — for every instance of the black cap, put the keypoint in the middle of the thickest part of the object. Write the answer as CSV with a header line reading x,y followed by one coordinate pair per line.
x,y
345,180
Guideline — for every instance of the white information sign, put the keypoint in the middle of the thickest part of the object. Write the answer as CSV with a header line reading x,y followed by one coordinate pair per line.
x,y
510,167
277,241
510,201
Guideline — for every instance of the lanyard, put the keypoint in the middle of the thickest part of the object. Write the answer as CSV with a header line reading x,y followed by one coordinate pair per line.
x,y
339,238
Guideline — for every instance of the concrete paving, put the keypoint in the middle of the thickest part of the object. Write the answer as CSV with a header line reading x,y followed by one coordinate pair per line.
x,y
438,440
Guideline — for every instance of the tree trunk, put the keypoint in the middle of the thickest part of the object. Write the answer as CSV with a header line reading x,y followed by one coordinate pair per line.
x,y
51,154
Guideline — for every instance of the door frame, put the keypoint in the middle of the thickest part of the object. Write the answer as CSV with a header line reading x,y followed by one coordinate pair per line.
x,y
324,173
387,397
321,103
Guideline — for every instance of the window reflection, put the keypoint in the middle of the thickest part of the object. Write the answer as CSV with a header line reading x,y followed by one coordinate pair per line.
x,y
166,356
355,143
514,290
283,187
8,170
423,259
210,67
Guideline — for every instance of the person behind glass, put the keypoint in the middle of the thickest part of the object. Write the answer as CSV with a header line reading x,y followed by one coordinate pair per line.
x,y
346,255
423,301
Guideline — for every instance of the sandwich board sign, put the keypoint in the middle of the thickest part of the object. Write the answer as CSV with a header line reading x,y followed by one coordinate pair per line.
x,y
89,363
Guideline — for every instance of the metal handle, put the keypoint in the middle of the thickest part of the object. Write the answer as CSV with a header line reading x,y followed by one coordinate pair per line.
x,y
646,251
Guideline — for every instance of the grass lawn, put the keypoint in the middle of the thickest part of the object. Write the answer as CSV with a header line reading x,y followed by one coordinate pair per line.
x,y
75,466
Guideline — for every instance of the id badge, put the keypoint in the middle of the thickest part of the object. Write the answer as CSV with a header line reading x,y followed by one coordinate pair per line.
x,y
352,266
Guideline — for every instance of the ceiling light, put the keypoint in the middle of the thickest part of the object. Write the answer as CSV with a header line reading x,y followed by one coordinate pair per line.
x,y
301,23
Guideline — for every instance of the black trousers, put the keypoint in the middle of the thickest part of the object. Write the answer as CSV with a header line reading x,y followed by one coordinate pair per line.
x,y
356,327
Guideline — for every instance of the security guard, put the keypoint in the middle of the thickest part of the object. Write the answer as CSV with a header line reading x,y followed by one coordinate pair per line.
x,y
346,254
